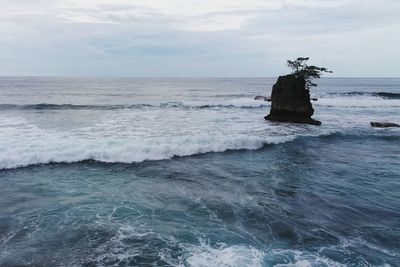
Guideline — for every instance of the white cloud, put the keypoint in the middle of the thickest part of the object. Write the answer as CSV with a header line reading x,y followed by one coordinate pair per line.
x,y
189,13
219,37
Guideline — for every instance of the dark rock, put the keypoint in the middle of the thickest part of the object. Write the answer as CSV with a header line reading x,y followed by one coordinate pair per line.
x,y
291,101
384,124
264,98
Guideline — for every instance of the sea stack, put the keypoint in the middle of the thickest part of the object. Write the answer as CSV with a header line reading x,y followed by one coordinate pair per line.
x,y
291,101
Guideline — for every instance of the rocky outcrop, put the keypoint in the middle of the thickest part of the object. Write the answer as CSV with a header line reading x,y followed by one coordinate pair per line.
x,y
384,124
291,101
263,98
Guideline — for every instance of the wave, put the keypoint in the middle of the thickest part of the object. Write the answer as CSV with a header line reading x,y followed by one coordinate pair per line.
x,y
64,149
358,101
386,95
234,95
45,106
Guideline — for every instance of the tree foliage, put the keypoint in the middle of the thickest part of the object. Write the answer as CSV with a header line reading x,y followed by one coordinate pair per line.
x,y
301,69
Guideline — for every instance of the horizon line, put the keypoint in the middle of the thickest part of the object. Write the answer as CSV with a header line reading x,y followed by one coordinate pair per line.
x,y
188,77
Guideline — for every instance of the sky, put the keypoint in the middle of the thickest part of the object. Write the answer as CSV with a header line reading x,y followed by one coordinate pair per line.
x,y
197,38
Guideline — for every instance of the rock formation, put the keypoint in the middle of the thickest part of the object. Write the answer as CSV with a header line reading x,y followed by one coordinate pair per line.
x,y
263,98
291,101
384,124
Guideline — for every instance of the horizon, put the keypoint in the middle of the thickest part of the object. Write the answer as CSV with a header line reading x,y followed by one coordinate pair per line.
x,y
185,77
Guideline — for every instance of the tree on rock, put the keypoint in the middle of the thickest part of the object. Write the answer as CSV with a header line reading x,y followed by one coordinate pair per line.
x,y
308,73
290,98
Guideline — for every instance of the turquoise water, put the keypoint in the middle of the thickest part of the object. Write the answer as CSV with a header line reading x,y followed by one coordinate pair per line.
x,y
128,172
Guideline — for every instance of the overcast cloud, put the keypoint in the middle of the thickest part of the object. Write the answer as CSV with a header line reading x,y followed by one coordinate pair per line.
x,y
159,38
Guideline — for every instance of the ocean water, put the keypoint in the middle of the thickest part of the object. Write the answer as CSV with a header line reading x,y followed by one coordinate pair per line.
x,y
186,172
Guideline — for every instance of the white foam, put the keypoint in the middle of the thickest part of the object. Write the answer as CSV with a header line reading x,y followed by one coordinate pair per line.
x,y
116,251
22,143
240,256
205,255
297,258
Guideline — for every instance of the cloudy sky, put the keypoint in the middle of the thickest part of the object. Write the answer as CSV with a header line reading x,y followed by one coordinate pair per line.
x,y
197,38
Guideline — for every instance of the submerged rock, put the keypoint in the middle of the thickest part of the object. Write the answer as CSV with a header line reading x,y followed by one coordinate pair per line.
x,y
384,124
291,101
263,98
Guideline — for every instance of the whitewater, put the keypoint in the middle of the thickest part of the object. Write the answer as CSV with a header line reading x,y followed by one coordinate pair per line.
x,y
186,172
129,124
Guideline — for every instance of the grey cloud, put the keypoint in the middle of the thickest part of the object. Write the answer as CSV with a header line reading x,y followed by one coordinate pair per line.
x,y
124,40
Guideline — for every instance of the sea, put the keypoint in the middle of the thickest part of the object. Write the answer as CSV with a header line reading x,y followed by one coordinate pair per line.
x,y
186,172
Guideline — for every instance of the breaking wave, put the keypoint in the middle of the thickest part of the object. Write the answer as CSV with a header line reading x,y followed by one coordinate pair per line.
x,y
67,150
246,103
386,95
242,101
359,99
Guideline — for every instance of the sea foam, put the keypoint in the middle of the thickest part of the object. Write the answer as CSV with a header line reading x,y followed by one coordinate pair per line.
x,y
24,144
240,256
205,255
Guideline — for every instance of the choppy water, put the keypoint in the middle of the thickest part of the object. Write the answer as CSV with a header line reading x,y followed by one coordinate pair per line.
x,y
186,172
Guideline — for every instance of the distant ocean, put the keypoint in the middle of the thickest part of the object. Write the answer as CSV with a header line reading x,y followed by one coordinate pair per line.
x,y
186,172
